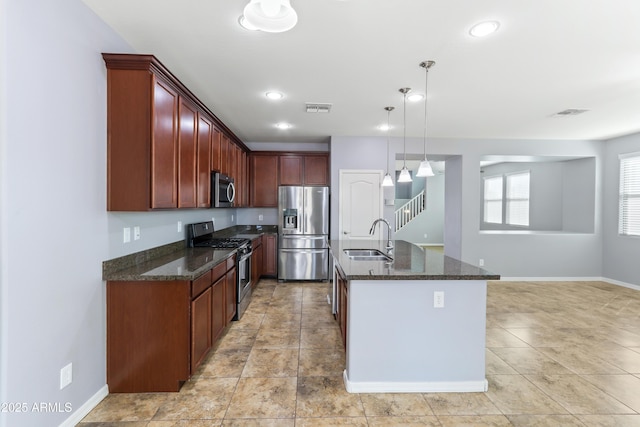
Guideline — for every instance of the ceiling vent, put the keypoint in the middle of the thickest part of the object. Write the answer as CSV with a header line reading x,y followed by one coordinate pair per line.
x,y
570,112
315,107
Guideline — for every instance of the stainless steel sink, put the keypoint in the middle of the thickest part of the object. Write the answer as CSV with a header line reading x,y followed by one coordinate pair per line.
x,y
367,255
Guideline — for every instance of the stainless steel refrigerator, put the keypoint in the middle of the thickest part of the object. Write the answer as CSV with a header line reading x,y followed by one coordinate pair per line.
x,y
303,230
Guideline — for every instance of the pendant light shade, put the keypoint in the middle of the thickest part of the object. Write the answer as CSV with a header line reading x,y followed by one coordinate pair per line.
x,y
271,16
387,181
405,176
425,168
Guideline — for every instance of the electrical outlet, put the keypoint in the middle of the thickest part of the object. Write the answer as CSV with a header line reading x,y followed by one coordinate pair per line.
x,y
179,226
481,262
438,299
425,235
213,220
126,234
66,376
260,217
231,217
136,233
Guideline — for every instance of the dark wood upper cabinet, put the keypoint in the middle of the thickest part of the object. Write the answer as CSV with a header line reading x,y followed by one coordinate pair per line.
x,y
216,156
291,170
316,170
163,153
264,180
205,129
187,152
157,149
224,155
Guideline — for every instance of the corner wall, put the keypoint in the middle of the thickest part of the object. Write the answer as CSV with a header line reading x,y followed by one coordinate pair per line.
x,y
620,259
553,255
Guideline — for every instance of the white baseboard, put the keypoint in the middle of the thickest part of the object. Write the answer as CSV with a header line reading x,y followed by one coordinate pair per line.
x,y
619,283
570,279
415,387
82,411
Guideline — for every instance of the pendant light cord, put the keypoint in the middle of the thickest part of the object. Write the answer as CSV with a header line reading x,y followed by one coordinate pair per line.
x,y
389,109
404,123
426,65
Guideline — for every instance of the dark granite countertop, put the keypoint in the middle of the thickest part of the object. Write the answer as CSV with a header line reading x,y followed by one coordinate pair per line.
x,y
175,261
410,262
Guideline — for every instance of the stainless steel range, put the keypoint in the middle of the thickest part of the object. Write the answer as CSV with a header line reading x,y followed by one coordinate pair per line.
x,y
200,235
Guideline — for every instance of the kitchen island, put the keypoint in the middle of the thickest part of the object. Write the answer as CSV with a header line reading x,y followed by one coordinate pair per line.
x,y
413,324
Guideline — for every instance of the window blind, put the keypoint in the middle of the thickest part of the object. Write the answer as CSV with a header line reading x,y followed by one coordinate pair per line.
x,y
629,200
517,195
493,200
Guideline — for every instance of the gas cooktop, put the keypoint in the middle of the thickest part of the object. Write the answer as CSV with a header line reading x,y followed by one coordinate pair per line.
x,y
200,235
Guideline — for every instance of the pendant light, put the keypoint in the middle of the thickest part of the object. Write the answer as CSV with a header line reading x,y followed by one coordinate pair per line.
x,y
425,167
388,181
405,176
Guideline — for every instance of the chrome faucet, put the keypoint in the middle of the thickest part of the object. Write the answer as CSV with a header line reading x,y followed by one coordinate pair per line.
x,y
373,226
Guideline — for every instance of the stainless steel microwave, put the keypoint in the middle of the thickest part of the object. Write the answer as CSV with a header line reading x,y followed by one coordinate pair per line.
x,y
223,192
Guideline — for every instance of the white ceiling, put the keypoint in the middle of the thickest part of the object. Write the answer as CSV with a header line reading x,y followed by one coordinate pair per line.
x,y
548,56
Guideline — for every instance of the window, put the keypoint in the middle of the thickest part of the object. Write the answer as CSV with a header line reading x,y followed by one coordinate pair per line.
x,y
517,192
629,200
506,199
493,200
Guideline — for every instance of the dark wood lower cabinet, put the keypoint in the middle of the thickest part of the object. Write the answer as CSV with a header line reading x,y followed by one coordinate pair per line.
x,y
218,315
270,255
158,332
343,306
230,295
200,327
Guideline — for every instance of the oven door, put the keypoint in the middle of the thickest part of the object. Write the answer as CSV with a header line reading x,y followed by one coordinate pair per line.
x,y
244,276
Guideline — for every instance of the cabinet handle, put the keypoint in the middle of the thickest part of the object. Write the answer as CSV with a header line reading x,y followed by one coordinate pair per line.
x,y
345,232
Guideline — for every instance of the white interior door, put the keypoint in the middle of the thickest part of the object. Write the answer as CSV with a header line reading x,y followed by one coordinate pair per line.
x,y
360,203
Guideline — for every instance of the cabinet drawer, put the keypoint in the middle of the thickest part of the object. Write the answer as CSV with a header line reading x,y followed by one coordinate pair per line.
x,y
218,271
200,284
231,262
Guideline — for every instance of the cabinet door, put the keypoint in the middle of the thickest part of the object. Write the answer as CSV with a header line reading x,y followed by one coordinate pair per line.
x,y
343,308
316,170
200,328
291,170
270,255
230,296
264,181
216,144
218,318
204,161
245,179
187,143
224,154
164,193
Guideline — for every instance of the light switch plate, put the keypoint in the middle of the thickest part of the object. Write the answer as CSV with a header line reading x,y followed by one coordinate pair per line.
x,y
438,299
66,376
126,234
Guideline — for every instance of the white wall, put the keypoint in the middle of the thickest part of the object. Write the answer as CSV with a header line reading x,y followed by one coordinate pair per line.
x,y
56,231
516,255
620,252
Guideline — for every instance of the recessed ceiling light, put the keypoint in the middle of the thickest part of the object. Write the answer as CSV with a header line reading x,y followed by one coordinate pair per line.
x,y
484,28
283,125
274,95
415,97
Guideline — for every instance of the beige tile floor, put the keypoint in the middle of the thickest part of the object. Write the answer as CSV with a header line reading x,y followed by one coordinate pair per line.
x,y
558,354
